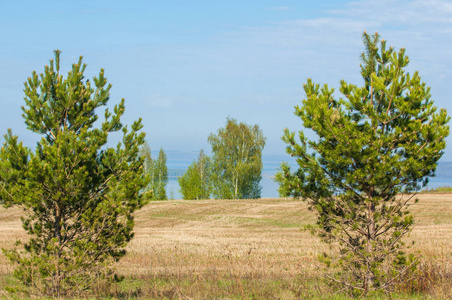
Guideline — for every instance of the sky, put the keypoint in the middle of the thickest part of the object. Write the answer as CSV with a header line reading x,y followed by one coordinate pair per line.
x,y
184,67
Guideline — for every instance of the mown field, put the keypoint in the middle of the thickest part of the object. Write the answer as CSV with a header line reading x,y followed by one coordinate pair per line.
x,y
247,249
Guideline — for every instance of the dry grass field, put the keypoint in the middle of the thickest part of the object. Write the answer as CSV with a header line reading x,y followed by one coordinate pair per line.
x,y
246,249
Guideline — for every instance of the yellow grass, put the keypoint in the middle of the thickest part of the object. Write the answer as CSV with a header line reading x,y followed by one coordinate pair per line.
x,y
240,248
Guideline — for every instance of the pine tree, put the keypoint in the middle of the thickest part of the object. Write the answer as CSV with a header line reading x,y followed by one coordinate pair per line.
x,y
380,140
237,161
79,194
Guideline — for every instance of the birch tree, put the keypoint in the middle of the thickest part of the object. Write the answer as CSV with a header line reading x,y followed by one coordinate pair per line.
x,y
148,167
237,161
160,177
195,184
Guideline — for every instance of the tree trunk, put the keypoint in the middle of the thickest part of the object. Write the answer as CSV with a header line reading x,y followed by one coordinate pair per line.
x,y
236,186
369,279
57,234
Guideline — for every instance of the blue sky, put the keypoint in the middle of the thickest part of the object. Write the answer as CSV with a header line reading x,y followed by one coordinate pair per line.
x,y
185,66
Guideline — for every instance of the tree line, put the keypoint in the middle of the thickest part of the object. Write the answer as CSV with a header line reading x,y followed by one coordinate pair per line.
x,y
232,172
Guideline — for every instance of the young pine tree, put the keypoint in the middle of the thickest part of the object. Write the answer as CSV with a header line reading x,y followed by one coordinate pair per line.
x,y
79,195
382,139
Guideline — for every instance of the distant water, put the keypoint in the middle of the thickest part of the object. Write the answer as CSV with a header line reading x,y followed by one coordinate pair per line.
x,y
178,162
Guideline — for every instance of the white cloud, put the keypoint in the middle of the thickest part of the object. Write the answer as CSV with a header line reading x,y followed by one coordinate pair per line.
x,y
281,8
421,26
165,100
158,101
398,12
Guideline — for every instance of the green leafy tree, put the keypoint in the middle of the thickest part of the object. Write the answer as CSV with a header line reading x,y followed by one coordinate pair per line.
x,y
195,183
160,175
237,161
79,194
157,171
148,166
382,139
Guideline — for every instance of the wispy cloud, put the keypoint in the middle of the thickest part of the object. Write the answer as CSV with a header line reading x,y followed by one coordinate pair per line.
x,y
280,8
399,12
158,101
328,48
164,101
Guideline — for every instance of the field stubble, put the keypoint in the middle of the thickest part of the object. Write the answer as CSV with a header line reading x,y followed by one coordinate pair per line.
x,y
245,249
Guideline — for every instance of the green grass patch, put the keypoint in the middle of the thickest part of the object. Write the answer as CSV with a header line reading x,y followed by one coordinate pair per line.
x,y
259,222
442,189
